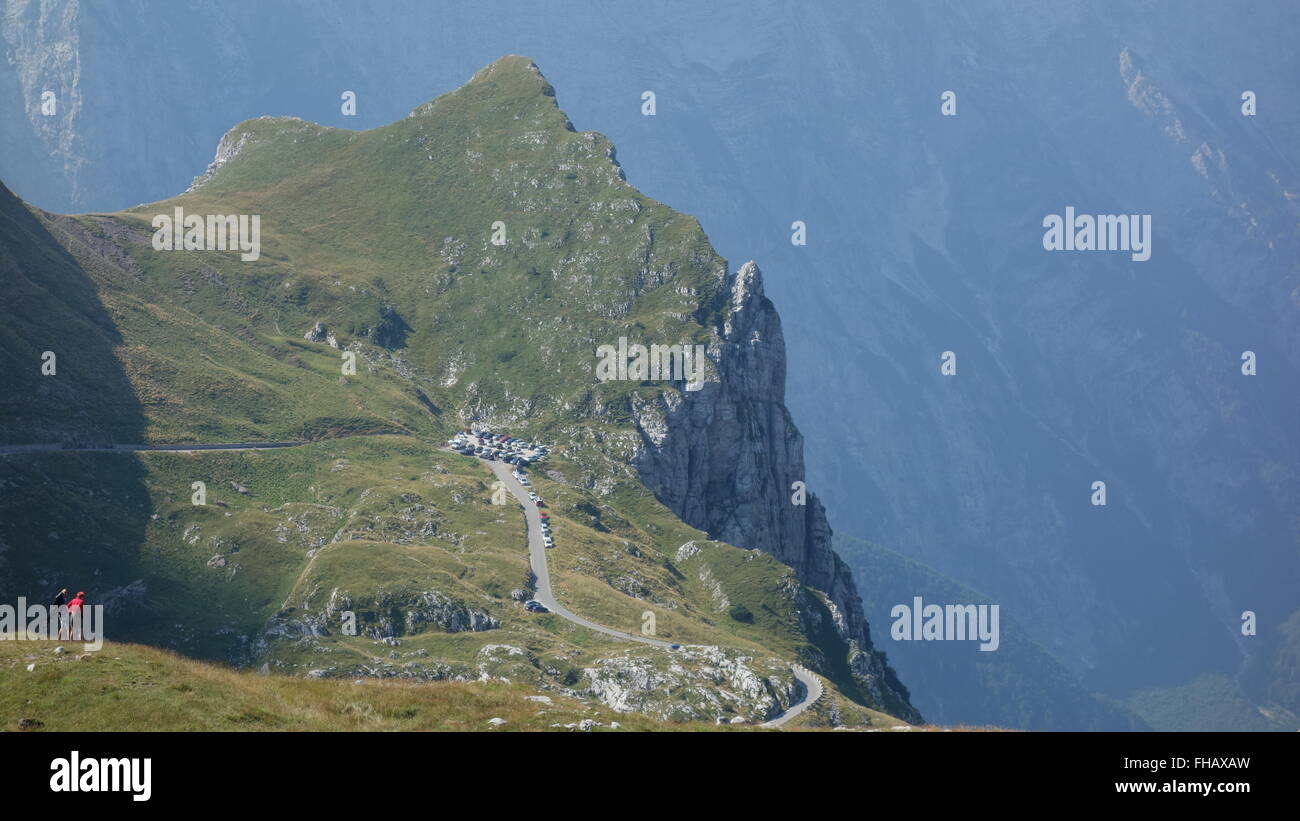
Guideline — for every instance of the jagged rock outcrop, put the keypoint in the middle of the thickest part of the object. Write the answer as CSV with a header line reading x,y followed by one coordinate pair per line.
x,y
698,682
389,614
232,142
725,458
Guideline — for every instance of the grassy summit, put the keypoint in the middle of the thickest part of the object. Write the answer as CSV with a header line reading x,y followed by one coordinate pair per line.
x,y
402,218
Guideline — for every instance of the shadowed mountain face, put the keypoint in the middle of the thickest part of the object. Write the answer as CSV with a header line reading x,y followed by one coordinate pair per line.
x,y
924,236
62,381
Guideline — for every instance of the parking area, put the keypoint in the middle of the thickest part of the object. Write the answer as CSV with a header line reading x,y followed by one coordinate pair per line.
x,y
490,445
493,446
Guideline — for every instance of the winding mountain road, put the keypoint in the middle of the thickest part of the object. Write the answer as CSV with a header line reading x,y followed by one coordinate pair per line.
x,y
812,691
812,686
537,558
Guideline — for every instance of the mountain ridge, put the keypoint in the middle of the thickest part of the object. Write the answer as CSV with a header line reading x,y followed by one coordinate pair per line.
x,y
346,218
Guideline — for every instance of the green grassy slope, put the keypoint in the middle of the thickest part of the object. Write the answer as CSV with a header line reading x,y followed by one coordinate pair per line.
x,y
402,217
384,237
126,687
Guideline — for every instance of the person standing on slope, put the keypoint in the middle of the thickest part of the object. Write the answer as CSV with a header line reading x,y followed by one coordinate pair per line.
x,y
74,610
60,600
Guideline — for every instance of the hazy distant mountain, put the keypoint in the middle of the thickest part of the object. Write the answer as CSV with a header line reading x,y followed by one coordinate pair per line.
x,y
924,236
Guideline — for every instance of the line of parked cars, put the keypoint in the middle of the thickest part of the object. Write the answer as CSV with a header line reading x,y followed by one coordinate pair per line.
x,y
487,444
546,529
537,500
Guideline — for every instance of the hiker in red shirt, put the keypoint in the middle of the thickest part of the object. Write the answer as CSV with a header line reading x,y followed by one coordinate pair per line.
x,y
74,610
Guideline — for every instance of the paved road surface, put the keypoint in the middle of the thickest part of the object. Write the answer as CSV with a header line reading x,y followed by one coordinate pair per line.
x,y
537,558
7,449
812,685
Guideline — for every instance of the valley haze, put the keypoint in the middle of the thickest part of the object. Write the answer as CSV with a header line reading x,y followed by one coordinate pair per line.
x,y
1111,470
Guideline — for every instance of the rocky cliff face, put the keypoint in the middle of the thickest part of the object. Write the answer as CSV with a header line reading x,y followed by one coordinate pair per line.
x,y
726,459
41,42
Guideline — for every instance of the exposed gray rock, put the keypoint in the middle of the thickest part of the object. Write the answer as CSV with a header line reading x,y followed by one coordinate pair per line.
x,y
723,458
694,683
229,147
386,615
687,551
